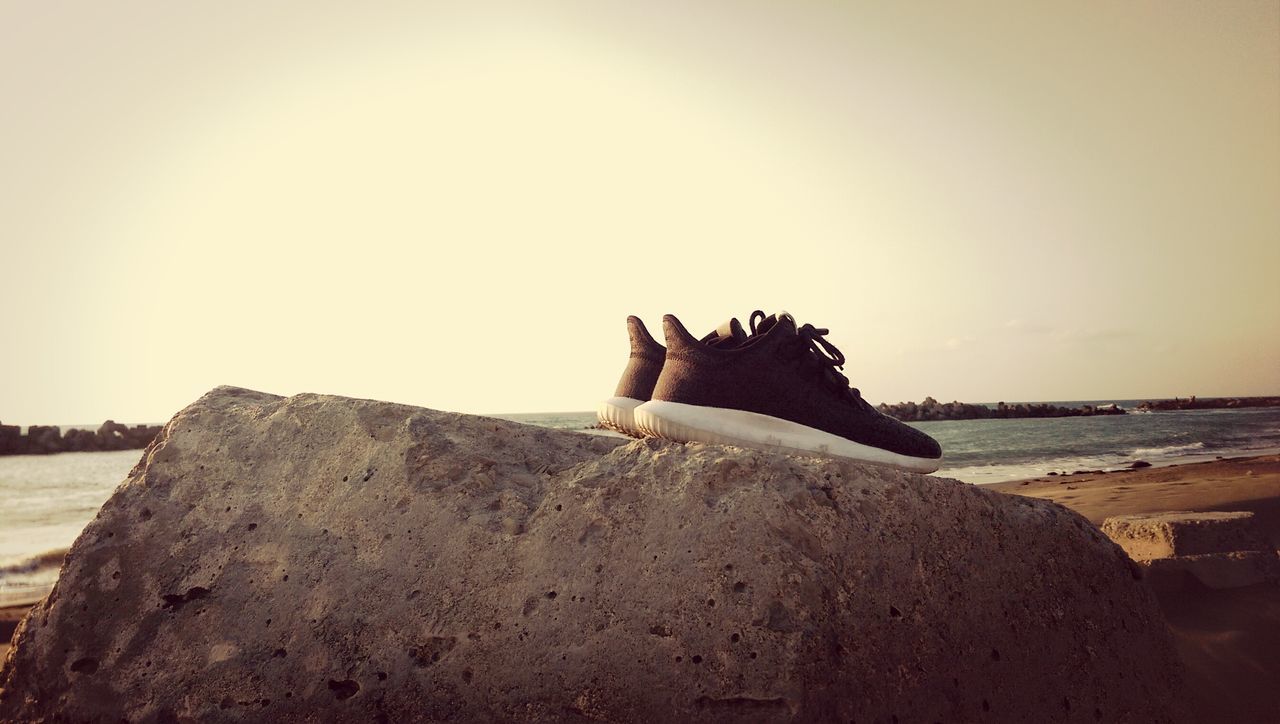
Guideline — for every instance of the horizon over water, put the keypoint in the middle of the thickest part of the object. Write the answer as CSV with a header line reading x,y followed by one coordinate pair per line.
x,y
46,500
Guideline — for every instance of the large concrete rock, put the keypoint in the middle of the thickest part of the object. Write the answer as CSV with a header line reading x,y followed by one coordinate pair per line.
x,y
333,559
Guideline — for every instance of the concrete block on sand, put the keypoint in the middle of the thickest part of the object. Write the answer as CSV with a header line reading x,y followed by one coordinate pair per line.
x,y
334,559
1216,549
1162,535
1215,570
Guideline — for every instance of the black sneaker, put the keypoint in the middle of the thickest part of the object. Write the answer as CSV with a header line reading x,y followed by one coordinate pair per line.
x,y
643,368
779,390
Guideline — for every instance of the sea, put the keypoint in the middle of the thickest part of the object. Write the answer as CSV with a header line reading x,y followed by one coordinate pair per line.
x,y
46,500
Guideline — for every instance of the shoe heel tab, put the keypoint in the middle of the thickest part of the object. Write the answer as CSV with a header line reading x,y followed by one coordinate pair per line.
x,y
641,341
677,336
638,332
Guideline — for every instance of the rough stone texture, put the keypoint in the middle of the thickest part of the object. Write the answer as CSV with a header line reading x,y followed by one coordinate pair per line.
x,y
321,558
1181,549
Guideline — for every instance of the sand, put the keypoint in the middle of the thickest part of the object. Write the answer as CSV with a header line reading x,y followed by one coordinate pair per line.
x,y
1228,639
1232,484
9,618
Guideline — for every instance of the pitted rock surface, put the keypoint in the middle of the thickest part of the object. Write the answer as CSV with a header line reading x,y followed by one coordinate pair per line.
x,y
324,558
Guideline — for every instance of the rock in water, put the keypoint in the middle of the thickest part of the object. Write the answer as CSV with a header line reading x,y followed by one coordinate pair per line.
x,y
327,558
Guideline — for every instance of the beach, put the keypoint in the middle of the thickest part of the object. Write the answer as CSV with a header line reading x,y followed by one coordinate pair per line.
x,y
1243,483
1228,639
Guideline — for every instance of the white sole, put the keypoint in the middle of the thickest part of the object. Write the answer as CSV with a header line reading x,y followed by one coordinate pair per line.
x,y
695,423
616,413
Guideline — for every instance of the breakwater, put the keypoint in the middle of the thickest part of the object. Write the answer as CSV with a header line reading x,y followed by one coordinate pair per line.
x,y
931,409
1209,403
48,439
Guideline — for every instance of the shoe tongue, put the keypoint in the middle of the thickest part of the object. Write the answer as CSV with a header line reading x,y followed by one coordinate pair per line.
x,y
729,334
782,320
731,329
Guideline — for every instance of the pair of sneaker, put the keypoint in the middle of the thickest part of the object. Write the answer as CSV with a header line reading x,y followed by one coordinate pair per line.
x,y
775,388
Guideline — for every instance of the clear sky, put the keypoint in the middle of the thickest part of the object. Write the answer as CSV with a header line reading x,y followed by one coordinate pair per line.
x,y
456,206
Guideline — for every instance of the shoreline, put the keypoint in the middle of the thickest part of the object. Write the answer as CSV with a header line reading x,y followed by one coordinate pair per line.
x,y
972,473
1248,482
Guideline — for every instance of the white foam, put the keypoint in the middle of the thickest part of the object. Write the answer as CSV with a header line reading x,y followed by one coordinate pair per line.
x,y
1167,450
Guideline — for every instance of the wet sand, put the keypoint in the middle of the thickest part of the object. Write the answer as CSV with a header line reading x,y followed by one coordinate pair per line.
x,y
1228,639
1232,484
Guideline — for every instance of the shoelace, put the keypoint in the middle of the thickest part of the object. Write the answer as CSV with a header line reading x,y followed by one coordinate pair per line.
x,y
819,354
830,361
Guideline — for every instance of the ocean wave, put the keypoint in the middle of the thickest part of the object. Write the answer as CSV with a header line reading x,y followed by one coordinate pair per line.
x,y
1168,450
32,564
997,472
26,580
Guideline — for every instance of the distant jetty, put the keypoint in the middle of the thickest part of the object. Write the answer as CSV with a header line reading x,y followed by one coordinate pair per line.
x,y
1208,403
931,409
48,439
